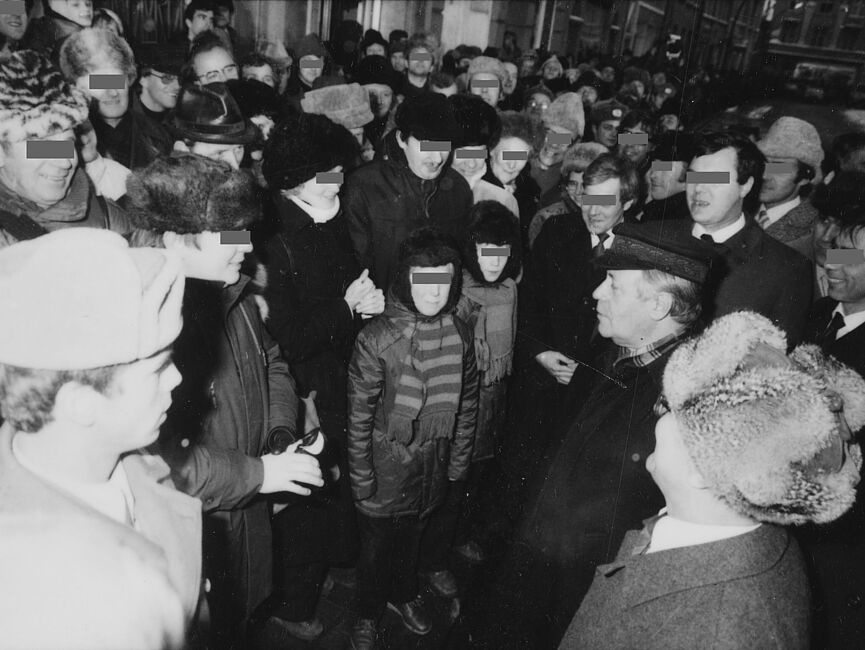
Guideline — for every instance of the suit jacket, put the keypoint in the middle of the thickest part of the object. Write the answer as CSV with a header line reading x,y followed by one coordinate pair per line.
x,y
850,348
795,224
748,591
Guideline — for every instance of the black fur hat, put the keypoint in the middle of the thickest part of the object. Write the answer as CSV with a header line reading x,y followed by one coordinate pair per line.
x,y
303,145
427,247
428,116
192,194
492,223
478,121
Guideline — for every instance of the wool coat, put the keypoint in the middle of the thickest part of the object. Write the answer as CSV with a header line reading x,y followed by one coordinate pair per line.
x,y
748,591
388,478
795,224
673,207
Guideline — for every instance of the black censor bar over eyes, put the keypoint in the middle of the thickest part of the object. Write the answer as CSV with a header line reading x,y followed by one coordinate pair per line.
x,y
662,166
780,168
420,56
633,138
485,83
329,177
478,154
235,237
598,199
430,278
515,155
435,145
313,65
107,82
845,256
558,138
721,178
495,251
51,149
13,7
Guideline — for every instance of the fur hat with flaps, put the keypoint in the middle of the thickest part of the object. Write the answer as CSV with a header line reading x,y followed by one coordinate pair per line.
x,y
770,433
345,104
189,194
35,100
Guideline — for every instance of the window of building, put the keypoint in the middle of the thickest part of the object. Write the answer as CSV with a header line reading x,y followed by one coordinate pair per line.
x,y
848,37
826,7
790,30
819,36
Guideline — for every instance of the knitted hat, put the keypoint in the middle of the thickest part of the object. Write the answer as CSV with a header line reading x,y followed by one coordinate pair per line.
x,y
790,137
376,70
428,116
310,45
209,114
347,105
93,48
191,194
479,122
607,110
303,145
566,112
80,298
489,65
769,432
35,100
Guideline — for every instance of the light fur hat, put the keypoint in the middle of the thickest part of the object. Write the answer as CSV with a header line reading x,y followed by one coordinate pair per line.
x,y
92,48
769,432
80,298
345,104
489,65
790,137
566,111
35,100
580,155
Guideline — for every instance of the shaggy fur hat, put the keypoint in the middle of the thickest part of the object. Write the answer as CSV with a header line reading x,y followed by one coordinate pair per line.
x,y
427,247
479,122
189,194
492,223
345,104
428,116
580,155
35,100
566,112
303,145
93,48
769,432
490,65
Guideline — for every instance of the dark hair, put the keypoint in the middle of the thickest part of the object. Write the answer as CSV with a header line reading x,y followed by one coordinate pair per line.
x,y
27,395
427,247
256,60
635,117
206,42
843,199
197,5
750,161
843,152
492,223
609,165
228,4
397,35
441,80
478,121
687,296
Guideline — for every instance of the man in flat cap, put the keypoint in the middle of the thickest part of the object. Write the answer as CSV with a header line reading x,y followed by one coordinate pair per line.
x,y
749,440
596,485
42,188
85,382
794,155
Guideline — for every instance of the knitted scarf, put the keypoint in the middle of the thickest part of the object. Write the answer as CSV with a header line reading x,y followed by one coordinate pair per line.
x,y
496,326
429,387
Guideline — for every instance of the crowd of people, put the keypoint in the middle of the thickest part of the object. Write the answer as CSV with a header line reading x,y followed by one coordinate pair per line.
x,y
393,309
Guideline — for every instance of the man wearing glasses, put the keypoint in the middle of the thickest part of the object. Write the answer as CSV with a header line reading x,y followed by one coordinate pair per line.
x,y
211,61
158,87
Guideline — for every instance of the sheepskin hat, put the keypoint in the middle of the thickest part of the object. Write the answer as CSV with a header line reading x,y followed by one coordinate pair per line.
x,y
770,433
303,145
191,194
566,112
93,48
479,122
489,65
35,99
580,155
790,137
346,104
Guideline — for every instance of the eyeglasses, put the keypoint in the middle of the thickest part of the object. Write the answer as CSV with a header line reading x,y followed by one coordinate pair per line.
x,y
166,79
541,106
229,71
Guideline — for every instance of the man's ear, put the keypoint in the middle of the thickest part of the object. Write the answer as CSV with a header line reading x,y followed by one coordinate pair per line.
x,y
180,145
399,140
188,23
744,189
627,205
663,305
173,242
76,403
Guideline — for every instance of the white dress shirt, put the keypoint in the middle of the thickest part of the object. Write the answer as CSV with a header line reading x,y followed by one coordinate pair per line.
x,y
851,322
597,240
670,532
774,213
722,235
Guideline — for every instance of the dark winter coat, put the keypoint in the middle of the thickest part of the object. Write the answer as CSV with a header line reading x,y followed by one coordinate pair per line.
x,y
47,34
673,207
236,388
153,130
129,142
390,479
384,202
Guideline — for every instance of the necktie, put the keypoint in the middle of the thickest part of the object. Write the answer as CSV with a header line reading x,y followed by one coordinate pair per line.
x,y
599,249
707,238
827,338
763,218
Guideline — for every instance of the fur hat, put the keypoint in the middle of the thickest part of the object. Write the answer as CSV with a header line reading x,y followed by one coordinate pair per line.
x,y
580,155
479,122
376,69
790,137
428,116
607,110
303,145
189,194
93,48
769,432
254,97
346,104
310,45
35,99
489,65
566,112
427,247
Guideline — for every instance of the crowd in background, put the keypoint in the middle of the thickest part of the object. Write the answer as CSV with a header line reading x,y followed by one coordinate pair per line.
x,y
428,307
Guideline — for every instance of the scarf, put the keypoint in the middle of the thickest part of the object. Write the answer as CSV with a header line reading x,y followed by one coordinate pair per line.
x,y
73,207
496,326
318,215
431,379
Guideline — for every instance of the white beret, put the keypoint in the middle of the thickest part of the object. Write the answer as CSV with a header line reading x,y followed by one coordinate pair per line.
x,y
80,298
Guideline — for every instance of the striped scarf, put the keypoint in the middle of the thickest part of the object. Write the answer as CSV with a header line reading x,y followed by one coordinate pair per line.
x,y
495,328
431,380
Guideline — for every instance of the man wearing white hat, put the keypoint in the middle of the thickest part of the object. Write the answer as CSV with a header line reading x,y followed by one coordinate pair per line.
x,y
85,381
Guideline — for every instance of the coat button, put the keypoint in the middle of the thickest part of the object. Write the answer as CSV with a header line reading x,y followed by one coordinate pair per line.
x,y
184,443
207,585
635,458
